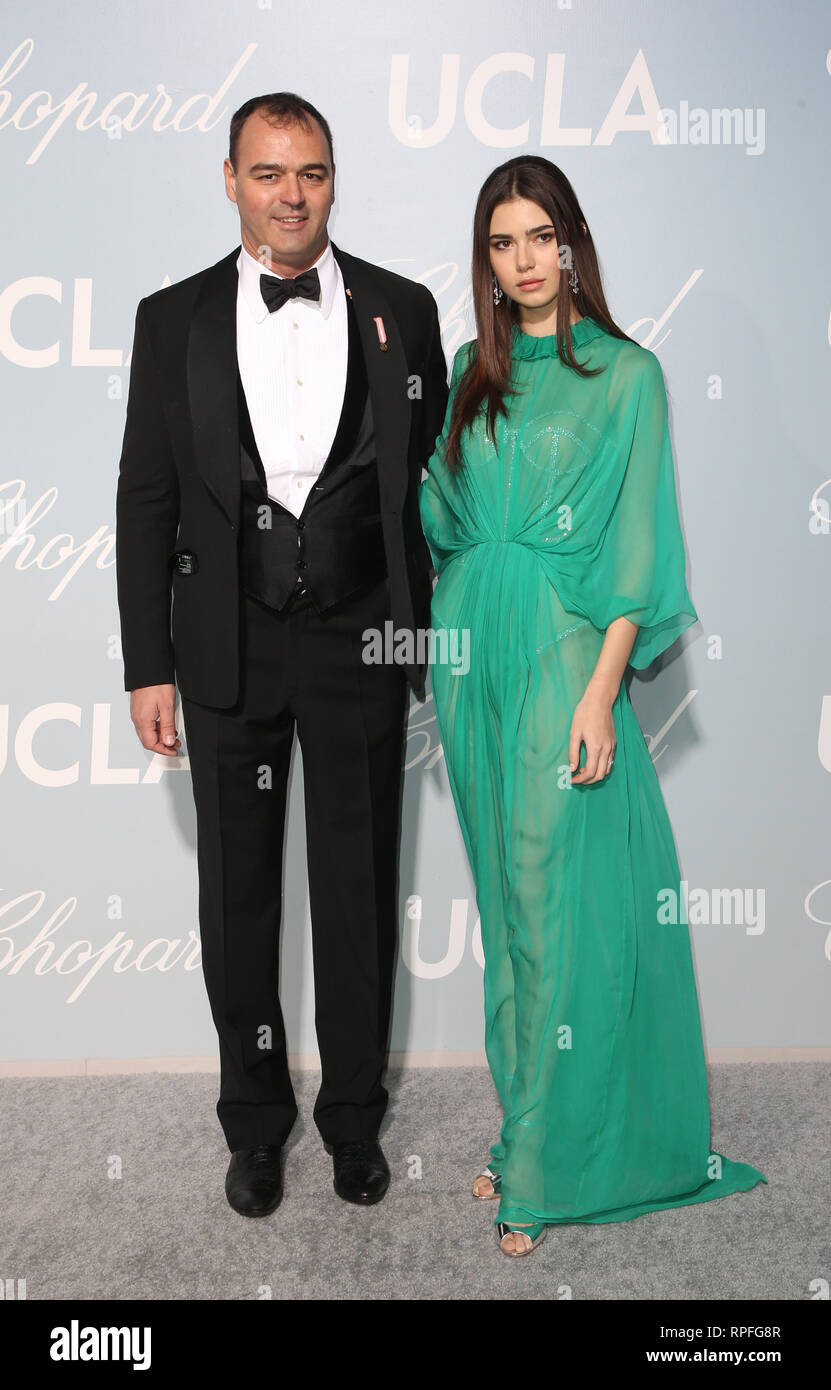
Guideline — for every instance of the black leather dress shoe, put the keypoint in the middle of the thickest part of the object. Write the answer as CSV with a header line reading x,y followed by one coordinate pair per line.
x,y
254,1181
361,1171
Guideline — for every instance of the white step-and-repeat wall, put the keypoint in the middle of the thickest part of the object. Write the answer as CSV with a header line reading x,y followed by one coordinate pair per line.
x,y
696,136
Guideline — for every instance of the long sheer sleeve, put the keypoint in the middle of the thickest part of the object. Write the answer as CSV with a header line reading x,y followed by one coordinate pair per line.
x,y
639,569
442,523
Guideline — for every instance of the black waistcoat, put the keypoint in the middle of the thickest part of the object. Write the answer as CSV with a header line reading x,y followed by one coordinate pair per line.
x,y
336,547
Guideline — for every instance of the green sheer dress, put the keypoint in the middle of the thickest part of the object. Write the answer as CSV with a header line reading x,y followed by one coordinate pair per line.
x,y
592,1025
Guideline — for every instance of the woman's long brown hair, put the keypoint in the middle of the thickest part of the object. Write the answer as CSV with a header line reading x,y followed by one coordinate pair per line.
x,y
487,377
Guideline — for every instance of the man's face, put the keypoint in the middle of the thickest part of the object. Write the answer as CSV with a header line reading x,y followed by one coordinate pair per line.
x,y
284,188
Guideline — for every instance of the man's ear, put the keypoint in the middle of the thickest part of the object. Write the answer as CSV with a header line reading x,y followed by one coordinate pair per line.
x,y
230,180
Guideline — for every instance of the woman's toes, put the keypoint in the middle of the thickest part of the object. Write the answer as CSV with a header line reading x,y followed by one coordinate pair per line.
x,y
516,1243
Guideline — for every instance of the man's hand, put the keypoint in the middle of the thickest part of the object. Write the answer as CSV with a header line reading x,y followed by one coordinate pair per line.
x,y
152,708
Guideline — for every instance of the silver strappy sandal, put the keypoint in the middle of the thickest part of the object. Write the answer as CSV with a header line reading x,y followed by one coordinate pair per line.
x,y
496,1181
535,1233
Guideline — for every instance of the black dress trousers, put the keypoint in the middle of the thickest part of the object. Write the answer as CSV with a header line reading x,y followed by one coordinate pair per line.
x,y
305,669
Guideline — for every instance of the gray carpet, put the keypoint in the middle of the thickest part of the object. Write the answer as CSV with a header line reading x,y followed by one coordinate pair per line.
x,y
164,1229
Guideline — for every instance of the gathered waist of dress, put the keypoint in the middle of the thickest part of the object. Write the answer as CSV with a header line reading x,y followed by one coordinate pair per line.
x,y
492,581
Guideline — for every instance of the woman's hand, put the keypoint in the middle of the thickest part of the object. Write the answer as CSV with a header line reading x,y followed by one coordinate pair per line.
x,y
593,725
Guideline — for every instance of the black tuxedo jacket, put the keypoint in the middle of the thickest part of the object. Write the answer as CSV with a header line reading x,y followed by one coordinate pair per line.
x,y
179,473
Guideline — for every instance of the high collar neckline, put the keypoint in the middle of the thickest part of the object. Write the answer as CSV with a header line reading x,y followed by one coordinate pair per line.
x,y
529,345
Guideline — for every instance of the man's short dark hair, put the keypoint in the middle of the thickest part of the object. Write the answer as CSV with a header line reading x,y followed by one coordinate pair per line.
x,y
284,108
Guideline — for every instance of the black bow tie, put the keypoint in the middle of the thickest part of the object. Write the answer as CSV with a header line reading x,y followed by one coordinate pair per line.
x,y
277,292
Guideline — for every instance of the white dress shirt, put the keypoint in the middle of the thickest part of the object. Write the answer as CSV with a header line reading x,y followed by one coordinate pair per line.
x,y
293,368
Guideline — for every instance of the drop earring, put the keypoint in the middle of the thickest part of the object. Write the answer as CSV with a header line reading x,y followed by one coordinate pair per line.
x,y
573,281
497,291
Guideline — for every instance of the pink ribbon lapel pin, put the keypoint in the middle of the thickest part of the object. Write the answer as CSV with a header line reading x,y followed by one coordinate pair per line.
x,y
382,333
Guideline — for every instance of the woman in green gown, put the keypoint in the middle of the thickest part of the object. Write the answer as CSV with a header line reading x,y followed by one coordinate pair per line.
x,y
551,516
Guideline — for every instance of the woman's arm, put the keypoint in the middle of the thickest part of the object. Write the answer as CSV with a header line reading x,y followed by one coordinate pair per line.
x,y
593,723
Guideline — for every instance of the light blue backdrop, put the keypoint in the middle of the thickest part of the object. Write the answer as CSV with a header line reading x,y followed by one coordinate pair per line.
x,y
713,241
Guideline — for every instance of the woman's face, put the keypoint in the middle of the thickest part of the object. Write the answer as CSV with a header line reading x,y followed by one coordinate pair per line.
x,y
524,254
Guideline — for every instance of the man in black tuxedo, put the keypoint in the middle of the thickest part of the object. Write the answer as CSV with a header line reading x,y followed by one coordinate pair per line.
x,y
282,405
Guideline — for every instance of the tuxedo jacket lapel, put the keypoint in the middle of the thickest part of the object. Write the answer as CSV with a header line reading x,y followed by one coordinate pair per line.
x,y
387,378
212,384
